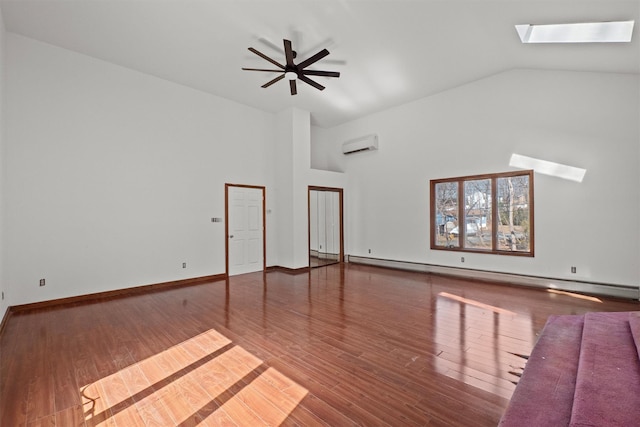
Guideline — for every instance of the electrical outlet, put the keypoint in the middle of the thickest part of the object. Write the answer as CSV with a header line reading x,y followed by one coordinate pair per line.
x,y
2,294
42,283
369,250
461,259
184,265
573,269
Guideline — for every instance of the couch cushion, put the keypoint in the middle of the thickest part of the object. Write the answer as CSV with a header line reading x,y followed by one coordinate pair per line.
x,y
545,392
607,389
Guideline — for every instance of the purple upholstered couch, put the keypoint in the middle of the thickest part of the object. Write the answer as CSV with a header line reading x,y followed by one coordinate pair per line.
x,y
583,371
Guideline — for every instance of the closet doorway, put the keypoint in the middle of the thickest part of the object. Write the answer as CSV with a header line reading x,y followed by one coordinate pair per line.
x,y
326,241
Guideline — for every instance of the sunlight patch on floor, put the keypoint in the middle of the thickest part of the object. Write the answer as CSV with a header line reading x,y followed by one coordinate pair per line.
x,y
204,379
574,295
475,303
476,343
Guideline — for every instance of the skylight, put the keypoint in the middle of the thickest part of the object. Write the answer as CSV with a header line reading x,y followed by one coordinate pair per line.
x,y
547,168
587,32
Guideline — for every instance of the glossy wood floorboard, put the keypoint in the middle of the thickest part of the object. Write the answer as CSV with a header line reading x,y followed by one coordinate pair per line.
x,y
339,346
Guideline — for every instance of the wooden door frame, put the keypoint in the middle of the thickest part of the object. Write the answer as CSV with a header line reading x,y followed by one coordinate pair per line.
x,y
226,224
340,192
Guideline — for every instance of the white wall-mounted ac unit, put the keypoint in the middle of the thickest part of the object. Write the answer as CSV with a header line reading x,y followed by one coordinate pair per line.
x,y
365,143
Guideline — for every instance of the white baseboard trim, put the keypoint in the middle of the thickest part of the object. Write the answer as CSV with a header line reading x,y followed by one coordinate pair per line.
x,y
324,255
613,290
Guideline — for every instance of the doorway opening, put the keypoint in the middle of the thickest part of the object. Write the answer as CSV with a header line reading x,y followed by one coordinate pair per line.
x,y
326,241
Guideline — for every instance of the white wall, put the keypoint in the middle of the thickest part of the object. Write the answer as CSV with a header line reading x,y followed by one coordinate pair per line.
x,y
3,301
293,176
113,176
283,205
301,163
587,120
321,158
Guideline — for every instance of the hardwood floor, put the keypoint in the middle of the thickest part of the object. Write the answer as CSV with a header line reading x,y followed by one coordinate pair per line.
x,y
336,346
321,262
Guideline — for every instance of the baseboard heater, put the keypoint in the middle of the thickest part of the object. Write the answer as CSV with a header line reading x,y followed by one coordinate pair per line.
x,y
612,290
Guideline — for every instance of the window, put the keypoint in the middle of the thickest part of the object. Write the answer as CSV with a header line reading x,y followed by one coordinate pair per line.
x,y
484,213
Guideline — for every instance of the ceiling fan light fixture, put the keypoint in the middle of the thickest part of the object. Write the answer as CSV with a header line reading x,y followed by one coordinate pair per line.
x,y
584,32
292,71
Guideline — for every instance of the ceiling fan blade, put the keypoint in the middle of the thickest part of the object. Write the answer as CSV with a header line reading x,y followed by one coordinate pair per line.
x,y
321,73
308,81
262,69
292,86
263,56
288,53
315,58
269,83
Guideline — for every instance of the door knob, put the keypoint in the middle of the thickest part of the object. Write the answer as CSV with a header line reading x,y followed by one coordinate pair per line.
x,y
231,236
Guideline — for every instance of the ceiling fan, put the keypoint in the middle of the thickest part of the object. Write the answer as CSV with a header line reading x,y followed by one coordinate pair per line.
x,y
292,71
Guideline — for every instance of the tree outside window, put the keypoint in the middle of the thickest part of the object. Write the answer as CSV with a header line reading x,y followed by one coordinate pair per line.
x,y
490,213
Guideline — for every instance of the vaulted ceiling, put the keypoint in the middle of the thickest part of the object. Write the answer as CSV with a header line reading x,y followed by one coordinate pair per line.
x,y
388,52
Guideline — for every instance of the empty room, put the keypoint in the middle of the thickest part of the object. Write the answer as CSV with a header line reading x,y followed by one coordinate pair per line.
x,y
435,219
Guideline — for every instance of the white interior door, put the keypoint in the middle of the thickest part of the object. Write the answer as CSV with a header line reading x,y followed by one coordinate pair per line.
x,y
313,223
332,224
246,248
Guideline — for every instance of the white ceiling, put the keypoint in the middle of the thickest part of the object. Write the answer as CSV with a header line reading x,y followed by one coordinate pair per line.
x,y
388,52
